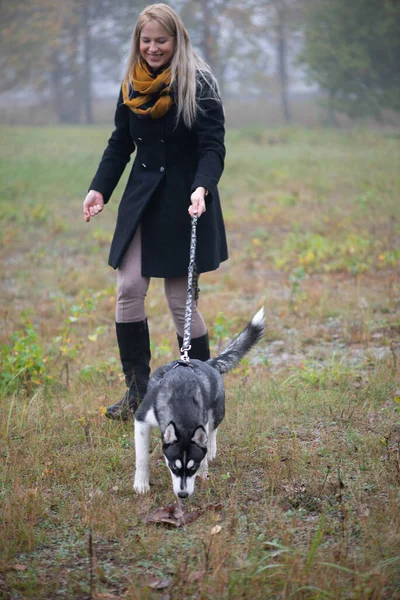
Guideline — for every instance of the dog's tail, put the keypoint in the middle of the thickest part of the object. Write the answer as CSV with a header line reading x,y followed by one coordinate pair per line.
x,y
236,350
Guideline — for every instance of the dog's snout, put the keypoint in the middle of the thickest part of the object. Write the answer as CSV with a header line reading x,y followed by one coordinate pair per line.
x,y
183,494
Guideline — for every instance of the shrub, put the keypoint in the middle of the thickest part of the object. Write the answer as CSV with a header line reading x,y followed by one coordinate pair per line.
x,y
23,362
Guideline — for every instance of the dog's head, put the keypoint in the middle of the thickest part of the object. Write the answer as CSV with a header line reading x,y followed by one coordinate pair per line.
x,y
183,456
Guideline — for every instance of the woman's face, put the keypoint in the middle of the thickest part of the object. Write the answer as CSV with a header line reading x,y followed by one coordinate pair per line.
x,y
157,47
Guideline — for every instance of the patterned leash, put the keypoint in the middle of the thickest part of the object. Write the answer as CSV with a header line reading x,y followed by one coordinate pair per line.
x,y
192,293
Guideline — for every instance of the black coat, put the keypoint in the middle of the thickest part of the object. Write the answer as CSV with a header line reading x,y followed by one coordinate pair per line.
x,y
171,161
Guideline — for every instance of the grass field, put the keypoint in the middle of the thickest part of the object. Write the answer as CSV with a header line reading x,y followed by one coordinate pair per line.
x,y
305,489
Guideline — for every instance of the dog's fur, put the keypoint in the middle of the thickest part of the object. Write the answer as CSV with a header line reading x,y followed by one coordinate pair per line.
x,y
187,403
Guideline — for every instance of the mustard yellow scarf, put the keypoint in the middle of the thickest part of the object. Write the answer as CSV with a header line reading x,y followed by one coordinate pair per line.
x,y
151,94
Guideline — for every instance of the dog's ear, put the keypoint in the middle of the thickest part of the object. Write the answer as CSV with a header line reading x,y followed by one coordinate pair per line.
x,y
170,436
200,437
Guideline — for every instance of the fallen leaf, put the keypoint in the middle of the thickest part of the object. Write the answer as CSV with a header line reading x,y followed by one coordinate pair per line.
x,y
158,584
178,512
172,515
213,506
19,567
196,576
216,529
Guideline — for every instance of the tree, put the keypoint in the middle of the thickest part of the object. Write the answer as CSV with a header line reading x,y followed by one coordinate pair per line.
x,y
281,29
206,20
352,50
58,48
25,24
229,41
278,21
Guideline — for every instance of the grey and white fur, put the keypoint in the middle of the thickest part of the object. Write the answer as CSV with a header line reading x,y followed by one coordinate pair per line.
x,y
187,403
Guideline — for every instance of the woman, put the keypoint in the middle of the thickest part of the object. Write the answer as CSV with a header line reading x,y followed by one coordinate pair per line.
x,y
170,111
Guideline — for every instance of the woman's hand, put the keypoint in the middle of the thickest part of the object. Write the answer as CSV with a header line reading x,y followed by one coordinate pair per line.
x,y
92,205
198,203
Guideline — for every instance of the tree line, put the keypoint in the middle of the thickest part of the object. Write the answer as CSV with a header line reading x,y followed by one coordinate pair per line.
x,y
350,49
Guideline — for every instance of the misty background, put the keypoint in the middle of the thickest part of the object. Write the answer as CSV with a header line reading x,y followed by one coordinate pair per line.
x,y
309,62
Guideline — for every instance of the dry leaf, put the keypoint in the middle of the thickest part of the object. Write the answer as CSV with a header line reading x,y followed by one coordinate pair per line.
x,y
158,584
178,512
19,567
213,506
172,515
196,576
216,529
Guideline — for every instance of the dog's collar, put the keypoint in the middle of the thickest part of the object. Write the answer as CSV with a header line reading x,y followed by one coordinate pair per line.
x,y
182,363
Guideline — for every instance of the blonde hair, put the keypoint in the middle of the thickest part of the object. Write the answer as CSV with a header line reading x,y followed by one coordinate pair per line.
x,y
188,70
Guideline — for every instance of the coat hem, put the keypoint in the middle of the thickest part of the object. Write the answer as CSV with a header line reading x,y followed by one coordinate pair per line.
x,y
146,273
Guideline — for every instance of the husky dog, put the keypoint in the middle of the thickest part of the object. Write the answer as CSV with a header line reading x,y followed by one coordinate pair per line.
x,y
187,403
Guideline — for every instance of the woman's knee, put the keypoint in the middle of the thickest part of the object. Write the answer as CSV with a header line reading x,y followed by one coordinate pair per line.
x,y
130,302
129,288
131,293
176,295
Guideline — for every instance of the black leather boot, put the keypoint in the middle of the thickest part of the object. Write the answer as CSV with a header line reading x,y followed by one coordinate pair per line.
x,y
134,349
200,347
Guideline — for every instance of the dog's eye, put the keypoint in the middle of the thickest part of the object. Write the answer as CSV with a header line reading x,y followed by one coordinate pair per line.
x,y
192,468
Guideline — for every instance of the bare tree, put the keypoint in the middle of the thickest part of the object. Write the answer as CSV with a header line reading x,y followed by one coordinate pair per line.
x,y
87,68
281,27
282,19
227,39
58,47
238,38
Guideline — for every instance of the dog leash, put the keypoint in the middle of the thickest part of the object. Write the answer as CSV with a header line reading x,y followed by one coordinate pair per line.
x,y
192,293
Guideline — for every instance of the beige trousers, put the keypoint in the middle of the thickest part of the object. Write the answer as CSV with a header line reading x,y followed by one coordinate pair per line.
x,y
132,289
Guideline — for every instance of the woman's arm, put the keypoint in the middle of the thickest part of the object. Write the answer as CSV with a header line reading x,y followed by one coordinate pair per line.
x,y
116,155
209,128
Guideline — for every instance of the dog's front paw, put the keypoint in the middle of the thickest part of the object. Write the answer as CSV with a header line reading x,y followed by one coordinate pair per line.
x,y
141,484
203,470
212,445
212,452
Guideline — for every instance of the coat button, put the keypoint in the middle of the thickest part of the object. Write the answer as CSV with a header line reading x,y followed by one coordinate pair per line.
x,y
162,169
144,166
140,140
161,141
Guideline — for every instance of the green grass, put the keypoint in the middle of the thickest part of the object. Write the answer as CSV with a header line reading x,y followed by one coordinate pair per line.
x,y
305,486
